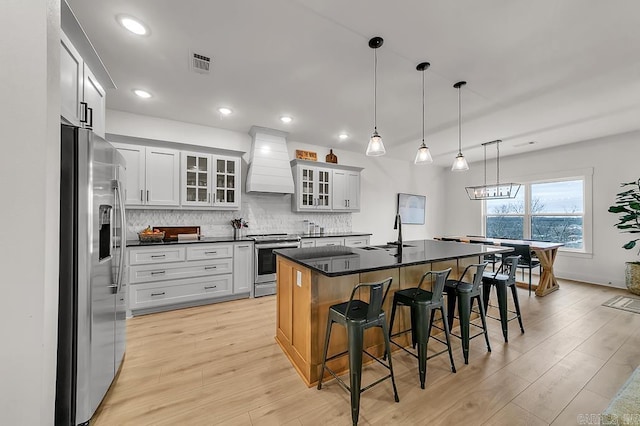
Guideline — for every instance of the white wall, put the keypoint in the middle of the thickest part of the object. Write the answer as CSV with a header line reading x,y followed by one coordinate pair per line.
x,y
381,180
29,172
613,160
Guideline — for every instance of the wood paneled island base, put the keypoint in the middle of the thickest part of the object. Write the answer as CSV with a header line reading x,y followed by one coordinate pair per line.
x,y
304,295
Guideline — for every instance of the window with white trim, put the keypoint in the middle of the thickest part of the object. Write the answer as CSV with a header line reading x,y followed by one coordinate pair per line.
x,y
550,210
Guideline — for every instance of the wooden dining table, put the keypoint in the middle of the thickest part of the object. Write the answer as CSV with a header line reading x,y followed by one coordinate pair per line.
x,y
545,251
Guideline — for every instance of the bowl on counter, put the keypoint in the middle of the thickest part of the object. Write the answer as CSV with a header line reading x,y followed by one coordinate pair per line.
x,y
155,237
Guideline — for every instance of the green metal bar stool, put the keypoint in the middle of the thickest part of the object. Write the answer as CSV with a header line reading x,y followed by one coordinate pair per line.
x,y
466,293
501,280
357,316
424,305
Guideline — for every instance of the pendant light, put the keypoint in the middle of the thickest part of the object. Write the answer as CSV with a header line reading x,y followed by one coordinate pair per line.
x,y
375,147
423,156
497,191
460,163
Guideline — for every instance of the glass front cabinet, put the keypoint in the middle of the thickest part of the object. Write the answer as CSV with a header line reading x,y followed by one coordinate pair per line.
x,y
210,180
313,188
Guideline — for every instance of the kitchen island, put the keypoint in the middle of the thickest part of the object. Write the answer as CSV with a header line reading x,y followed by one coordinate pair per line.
x,y
310,280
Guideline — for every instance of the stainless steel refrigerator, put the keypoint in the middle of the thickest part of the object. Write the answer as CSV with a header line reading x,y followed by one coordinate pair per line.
x,y
92,309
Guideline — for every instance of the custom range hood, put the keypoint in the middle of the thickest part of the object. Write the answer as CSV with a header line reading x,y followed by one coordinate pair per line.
x,y
269,168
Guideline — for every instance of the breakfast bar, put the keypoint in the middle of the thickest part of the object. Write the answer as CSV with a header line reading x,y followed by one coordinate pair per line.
x,y
310,280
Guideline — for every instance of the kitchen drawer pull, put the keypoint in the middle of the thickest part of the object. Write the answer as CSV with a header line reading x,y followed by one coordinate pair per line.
x,y
330,244
158,294
147,195
158,272
243,246
210,267
155,256
142,195
210,252
210,287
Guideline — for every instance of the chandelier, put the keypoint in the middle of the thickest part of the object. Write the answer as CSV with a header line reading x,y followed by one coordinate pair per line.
x,y
497,190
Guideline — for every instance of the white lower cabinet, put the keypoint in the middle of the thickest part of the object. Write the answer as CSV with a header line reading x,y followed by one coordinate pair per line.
x,y
359,241
167,277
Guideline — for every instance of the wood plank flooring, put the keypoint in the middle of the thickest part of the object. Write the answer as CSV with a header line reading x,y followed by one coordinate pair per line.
x,y
219,364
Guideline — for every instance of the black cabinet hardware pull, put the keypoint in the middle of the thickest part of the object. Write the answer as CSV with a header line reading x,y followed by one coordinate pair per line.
x,y
210,252
210,287
154,256
90,124
158,294
141,195
210,267
158,272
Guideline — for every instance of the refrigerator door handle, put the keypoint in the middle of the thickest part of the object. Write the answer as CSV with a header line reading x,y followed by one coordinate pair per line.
x,y
123,223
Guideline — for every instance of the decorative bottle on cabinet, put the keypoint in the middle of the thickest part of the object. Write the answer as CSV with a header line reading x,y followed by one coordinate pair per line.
x,y
331,157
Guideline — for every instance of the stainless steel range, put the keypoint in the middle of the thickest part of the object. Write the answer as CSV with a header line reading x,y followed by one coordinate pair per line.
x,y
265,270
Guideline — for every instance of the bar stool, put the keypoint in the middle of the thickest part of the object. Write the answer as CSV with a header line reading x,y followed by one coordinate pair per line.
x,y
466,293
424,305
505,277
357,316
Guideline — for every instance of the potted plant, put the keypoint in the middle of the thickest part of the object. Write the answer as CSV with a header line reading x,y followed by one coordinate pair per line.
x,y
628,207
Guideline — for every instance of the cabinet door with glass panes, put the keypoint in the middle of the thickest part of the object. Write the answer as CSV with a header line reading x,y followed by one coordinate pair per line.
x,y
313,188
196,178
226,181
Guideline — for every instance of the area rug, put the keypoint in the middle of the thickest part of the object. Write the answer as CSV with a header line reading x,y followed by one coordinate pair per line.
x,y
625,303
624,409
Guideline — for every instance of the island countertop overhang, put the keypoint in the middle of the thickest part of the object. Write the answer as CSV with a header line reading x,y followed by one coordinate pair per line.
x,y
335,261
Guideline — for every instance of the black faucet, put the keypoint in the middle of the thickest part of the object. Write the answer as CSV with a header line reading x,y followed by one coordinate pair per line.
x,y
398,226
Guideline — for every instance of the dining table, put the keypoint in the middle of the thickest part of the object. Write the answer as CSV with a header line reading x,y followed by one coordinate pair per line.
x,y
545,251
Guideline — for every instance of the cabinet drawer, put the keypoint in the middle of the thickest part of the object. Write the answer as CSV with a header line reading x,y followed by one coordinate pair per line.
x,y
215,251
307,243
159,294
138,256
356,241
173,271
323,242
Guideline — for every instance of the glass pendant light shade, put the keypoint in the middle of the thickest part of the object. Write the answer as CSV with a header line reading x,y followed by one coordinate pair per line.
x,y
423,156
375,147
459,164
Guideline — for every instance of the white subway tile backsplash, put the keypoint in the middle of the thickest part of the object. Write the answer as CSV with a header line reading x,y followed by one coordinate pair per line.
x,y
265,213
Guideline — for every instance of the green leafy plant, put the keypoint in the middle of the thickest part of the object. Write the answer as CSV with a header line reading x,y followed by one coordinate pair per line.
x,y
628,207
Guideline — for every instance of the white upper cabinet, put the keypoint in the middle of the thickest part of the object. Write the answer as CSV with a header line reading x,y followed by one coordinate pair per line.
x,y
327,187
210,180
312,188
82,98
134,156
346,190
226,182
196,179
71,81
162,177
153,175
94,98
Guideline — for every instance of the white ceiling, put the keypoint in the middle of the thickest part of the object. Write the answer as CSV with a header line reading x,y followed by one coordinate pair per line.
x,y
549,71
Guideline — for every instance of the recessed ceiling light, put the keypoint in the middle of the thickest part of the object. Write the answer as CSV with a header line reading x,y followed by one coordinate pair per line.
x,y
343,136
133,25
142,93
286,119
224,111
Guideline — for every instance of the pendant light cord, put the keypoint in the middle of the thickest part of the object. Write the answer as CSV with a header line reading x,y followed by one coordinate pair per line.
x,y
485,165
375,90
498,164
422,107
459,126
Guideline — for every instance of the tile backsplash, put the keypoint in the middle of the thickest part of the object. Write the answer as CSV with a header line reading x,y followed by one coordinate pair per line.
x,y
265,213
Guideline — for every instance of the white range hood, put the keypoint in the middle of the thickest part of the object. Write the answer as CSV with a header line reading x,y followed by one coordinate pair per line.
x,y
269,168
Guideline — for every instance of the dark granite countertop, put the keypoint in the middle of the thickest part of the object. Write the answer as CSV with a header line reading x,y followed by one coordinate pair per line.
x,y
336,234
329,261
137,243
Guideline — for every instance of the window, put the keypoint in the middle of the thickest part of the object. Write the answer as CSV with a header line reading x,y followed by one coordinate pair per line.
x,y
551,211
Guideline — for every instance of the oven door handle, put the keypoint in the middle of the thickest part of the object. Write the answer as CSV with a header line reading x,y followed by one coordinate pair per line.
x,y
259,246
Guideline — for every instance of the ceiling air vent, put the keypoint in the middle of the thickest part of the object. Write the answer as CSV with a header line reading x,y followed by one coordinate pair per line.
x,y
200,63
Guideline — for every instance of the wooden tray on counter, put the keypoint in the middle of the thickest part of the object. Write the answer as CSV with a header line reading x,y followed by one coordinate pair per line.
x,y
171,232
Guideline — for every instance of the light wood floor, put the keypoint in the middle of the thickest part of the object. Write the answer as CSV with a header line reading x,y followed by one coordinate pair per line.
x,y
219,364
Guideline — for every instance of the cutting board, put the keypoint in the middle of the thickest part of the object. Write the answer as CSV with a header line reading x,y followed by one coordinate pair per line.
x,y
171,232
